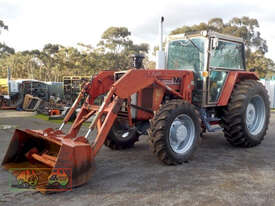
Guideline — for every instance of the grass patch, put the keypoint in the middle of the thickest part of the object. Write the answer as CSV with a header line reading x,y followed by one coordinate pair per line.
x,y
46,118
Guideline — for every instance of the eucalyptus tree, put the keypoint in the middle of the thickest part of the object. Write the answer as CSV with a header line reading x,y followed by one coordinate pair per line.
x,y
116,48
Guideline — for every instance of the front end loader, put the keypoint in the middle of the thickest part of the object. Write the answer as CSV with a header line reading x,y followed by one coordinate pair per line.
x,y
199,91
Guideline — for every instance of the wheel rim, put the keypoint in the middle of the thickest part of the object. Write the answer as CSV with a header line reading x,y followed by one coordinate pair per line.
x,y
182,134
255,115
123,132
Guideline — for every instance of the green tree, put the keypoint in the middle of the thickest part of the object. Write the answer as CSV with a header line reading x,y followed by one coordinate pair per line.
x,y
22,65
115,39
260,63
116,48
4,49
55,61
3,25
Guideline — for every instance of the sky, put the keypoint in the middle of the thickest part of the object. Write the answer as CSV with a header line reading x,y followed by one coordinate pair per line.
x,y
34,23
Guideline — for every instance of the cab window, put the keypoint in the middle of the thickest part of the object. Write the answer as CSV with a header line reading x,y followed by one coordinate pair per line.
x,y
186,54
228,55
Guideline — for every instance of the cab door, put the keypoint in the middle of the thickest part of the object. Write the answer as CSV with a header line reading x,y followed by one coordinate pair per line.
x,y
216,82
225,56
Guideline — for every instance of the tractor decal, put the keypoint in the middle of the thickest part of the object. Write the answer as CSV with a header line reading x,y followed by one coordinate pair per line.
x,y
58,177
27,178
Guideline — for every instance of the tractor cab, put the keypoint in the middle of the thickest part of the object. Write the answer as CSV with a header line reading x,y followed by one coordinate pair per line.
x,y
211,56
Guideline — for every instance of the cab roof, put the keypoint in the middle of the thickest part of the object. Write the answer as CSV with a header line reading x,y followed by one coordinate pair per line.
x,y
209,34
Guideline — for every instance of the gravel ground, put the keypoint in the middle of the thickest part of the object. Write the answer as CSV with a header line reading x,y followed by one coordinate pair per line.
x,y
218,174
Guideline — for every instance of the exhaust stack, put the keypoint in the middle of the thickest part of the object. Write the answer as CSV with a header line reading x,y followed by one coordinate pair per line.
x,y
161,33
160,57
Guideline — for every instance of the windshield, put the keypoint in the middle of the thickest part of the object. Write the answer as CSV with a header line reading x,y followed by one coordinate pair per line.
x,y
186,54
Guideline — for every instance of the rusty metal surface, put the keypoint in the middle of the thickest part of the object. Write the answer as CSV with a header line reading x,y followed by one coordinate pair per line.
x,y
65,152
147,97
135,80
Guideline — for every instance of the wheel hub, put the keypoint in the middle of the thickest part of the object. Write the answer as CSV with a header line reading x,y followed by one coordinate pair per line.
x,y
250,113
125,135
255,115
182,133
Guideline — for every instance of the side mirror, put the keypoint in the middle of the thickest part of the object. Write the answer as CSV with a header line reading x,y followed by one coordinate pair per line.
x,y
215,43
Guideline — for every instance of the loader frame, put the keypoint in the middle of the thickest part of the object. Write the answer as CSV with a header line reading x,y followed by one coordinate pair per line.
x,y
133,81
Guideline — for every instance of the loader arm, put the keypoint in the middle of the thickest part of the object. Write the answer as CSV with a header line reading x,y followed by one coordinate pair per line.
x,y
53,149
130,83
99,85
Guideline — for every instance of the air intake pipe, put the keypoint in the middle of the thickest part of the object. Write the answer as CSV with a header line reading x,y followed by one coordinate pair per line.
x,y
137,61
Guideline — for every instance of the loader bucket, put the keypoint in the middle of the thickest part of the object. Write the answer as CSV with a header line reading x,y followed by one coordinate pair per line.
x,y
58,162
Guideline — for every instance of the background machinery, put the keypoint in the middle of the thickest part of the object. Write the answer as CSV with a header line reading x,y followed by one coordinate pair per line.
x,y
72,87
12,92
204,86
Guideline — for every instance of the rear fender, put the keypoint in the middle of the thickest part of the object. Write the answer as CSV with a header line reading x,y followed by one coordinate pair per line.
x,y
233,78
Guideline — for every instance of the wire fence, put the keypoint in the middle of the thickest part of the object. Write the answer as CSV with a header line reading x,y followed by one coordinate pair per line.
x,y
270,86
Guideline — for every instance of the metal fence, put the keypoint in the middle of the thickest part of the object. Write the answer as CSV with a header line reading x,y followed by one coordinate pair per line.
x,y
270,86
56,89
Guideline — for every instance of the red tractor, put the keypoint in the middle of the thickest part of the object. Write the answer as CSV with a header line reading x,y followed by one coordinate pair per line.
x,y
204,86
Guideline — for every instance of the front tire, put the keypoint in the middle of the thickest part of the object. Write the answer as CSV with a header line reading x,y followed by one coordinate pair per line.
x,y
246,117
121,136
175,132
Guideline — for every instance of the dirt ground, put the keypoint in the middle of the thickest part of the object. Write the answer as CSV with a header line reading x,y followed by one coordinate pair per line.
x,y
218,174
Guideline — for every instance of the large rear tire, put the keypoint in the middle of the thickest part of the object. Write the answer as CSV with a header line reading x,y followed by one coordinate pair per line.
x,y
121,136
246,117
175,132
